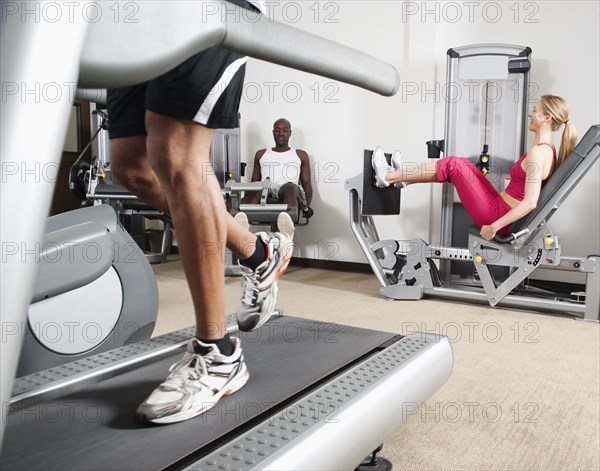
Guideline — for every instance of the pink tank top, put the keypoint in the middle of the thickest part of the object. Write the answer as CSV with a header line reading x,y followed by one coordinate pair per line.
x,y
516,187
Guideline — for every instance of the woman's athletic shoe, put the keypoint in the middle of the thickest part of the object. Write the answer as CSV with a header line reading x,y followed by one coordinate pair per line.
x,y
381,167
195,384
260,285
397,164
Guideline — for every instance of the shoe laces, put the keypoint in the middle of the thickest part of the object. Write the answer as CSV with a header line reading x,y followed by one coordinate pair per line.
x,y
251,278
250,282
191,366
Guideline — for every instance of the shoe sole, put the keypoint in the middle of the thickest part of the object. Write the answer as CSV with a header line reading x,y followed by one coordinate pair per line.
x,y
285,225
234,385
242,220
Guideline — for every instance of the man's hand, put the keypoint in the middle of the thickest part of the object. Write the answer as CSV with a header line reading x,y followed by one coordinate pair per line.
x,y
308,213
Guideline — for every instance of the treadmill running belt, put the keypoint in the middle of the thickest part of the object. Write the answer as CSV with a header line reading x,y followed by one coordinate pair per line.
x,y
95,428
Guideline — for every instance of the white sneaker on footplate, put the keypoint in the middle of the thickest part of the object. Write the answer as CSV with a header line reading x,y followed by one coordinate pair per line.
x,y
397,164
381,167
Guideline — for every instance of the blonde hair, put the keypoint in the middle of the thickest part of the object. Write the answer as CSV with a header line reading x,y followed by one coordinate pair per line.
x,y
556,107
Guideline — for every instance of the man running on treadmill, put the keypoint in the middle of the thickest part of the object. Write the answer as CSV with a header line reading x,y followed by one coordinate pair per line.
x,y
161,132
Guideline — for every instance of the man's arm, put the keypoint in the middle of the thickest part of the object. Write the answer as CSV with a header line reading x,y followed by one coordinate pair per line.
x,y
253,197
305,178
256,172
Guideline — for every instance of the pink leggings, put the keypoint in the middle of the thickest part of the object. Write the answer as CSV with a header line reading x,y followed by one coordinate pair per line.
x,y
480,199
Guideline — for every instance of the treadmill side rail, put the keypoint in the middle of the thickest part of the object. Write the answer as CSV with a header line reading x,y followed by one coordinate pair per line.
x,y
337,425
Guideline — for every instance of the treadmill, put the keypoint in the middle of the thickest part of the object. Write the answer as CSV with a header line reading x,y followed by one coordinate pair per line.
x,y
320,396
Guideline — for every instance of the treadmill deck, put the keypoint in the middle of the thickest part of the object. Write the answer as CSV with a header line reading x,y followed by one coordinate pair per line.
x,y
95,428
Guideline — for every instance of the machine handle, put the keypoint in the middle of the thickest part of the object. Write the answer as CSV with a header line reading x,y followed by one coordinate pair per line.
x,y
291,47
167,33
93,95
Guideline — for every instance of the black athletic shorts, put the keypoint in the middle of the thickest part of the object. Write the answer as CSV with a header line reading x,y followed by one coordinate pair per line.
x,y
206,88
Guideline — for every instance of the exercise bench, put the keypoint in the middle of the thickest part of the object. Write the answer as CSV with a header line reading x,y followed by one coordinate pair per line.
x,y
264,212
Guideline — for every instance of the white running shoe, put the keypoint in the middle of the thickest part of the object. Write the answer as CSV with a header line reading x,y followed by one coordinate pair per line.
x,y
397,164
285,224
397,160
260,285
242,220
196,384
381,167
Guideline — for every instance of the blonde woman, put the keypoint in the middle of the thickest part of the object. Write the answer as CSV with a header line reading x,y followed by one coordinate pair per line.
x,y
494,212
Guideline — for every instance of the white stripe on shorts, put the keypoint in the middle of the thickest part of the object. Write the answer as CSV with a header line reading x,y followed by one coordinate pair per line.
x,y
218,89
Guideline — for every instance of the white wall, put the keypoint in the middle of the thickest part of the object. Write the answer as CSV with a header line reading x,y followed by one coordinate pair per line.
x,y
335,122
